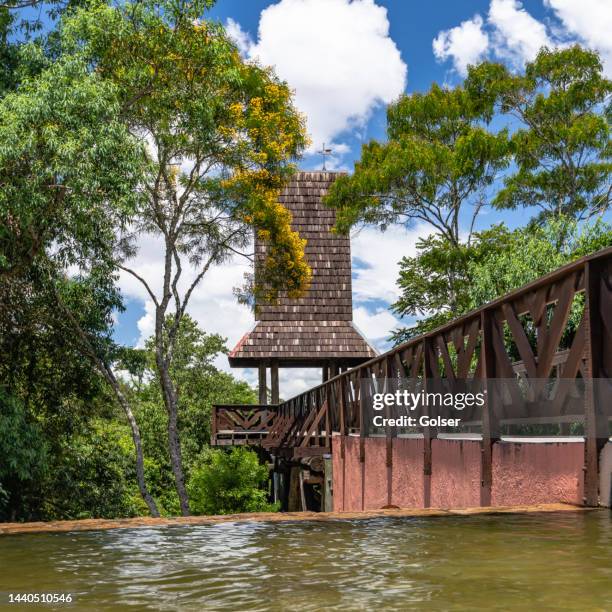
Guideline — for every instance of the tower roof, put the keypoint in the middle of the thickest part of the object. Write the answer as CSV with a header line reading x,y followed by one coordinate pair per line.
x,y
318,327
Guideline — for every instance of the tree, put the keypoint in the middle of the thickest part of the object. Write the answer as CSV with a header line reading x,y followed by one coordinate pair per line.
x,y
199,385
91,473
63,158
57,459
69,172
496,262
435,168
562,147
8,52
436,282
229,482
532,252
219,134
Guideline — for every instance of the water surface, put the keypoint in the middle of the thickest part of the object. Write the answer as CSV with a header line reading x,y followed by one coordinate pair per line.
x,y
508,562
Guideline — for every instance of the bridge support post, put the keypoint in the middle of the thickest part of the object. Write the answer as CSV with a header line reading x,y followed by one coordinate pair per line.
x,y
328,483
294,498
389,373
490,419
428,374
364,383
342,425
595,419
274,384
263,388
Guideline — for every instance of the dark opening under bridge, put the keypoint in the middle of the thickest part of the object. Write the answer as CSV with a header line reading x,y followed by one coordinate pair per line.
x,y
545,340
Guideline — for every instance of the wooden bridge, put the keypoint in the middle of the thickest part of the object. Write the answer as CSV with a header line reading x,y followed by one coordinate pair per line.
x,y
545,340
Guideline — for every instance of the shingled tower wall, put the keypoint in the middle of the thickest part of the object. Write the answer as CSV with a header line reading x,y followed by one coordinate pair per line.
x,y
315,330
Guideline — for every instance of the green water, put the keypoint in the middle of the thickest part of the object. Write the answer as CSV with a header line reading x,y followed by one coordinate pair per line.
x,y
529,562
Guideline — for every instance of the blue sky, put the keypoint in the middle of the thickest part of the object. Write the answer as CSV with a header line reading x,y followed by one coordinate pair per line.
x,y
346,60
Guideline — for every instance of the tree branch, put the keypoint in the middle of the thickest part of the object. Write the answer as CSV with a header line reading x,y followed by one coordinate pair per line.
x,y
142,280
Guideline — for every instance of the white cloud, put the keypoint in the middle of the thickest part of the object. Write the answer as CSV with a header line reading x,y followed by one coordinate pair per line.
x,y
212,304
381,253
336,54
239,36
464,44
513,35
517,35
590,21
376,325
293,381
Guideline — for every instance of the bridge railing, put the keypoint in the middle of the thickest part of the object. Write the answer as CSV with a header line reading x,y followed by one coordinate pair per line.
x,y
238,424
558,326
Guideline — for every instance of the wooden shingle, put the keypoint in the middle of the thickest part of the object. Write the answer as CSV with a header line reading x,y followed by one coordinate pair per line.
x,y
318,327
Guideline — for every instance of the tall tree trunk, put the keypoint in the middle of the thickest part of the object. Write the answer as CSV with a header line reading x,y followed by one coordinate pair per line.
x,y
140,474
174,444
163,358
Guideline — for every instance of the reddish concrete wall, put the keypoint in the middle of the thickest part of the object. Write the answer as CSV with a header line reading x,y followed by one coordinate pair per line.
x,y
376,474
537,473
352,475
523,473
455,473
407,473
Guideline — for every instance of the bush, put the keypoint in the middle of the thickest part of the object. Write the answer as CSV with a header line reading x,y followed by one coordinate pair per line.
x,y
229,482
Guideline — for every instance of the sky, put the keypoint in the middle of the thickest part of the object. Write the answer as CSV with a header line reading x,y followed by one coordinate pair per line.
x,y
346,60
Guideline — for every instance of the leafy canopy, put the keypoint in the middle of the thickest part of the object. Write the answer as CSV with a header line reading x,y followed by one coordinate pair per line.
x,y
199,385
441,283
69,169
219,132
438,161
561,146
532,252
436,283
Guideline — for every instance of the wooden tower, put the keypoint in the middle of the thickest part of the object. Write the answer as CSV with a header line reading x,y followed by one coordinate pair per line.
x,y
317,329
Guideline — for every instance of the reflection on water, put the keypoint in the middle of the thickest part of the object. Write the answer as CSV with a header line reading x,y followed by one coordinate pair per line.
x,y
546,562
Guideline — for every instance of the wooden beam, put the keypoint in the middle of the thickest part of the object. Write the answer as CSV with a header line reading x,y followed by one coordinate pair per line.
x,y
596,425
490,420
274,384
263,391
428,375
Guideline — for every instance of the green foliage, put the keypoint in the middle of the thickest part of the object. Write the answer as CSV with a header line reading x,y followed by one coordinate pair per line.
x,y
441,164
8,52
21,446
68,168
199,384
437,162
437,282
533,252
229,482
562,147
183,86
443,282
23,452
92,475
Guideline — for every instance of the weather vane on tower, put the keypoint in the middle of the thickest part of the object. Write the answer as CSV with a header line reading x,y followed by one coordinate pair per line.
x,y
325,152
